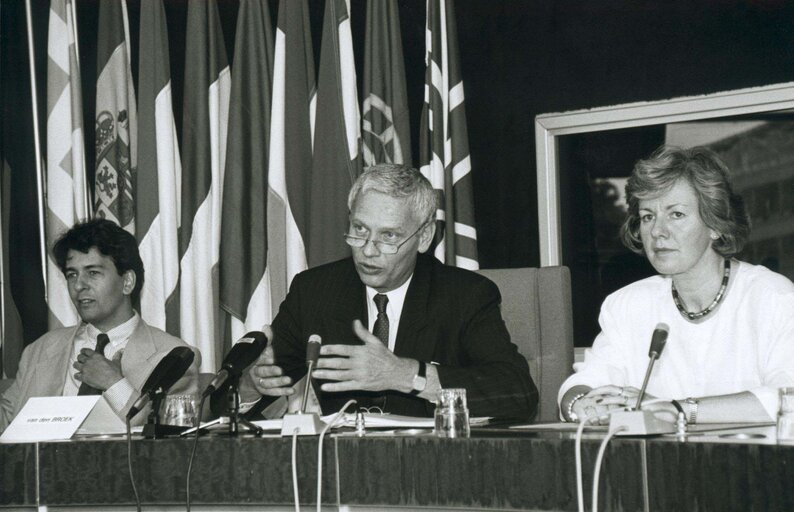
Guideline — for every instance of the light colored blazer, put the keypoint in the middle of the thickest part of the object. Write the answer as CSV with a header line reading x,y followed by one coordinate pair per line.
x,y
45,363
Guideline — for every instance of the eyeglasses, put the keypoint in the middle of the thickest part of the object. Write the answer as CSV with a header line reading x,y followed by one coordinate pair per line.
x,y
383,247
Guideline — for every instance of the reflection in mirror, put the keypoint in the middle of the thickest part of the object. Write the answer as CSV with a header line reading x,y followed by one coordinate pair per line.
x,y
592,165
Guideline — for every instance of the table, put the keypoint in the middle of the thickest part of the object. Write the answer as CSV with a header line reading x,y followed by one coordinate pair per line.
x,y
495,470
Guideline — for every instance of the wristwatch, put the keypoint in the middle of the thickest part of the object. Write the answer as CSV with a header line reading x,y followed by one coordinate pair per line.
x,y
692,410
420,379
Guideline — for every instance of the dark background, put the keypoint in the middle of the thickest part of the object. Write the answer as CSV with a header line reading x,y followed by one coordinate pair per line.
x,y
519,59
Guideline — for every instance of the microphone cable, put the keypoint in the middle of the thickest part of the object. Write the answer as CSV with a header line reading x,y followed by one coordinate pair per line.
x,y
129,465
599,458
193,452
331,424
578,452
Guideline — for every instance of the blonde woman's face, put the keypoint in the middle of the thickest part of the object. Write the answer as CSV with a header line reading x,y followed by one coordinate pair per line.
x,y
674,237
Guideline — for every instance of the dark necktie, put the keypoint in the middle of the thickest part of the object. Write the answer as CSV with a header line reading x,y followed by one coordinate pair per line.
x,y
101,342
381,329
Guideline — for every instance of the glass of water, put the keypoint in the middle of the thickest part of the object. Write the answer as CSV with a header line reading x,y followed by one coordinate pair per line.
x,y
785,416
452,413
180,410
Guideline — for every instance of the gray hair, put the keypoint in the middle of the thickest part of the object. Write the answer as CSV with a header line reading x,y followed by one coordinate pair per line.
x,y
400,182
719,206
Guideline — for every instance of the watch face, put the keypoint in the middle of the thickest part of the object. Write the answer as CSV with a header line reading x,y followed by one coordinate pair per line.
x,y
420,383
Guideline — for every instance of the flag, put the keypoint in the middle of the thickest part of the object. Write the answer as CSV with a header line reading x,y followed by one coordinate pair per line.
x,y
116,118
67,197
205,114
11,333
291,129
159,170
245,289
444,139
385,118
337,140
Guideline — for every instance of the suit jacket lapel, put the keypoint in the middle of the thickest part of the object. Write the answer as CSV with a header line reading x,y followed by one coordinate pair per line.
x,y
59,361
140,348
412,336
350,303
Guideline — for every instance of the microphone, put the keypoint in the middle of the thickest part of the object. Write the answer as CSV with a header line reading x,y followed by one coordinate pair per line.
x,y
170,369
312,355
240,357
300,423
641,423
658,341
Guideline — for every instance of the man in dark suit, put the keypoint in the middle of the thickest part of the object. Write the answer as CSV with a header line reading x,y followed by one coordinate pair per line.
x,y
396,325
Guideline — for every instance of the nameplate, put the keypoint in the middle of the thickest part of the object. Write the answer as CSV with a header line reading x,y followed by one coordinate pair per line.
x,y
55,418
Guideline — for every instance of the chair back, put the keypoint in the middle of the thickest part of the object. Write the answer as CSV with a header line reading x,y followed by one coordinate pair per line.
x,y
536,308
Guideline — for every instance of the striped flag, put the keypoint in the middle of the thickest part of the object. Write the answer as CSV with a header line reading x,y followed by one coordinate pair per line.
x,y
67,200
291,128
336,162
116,118
245,289
386,127
444,139
159,169
205,114
11,332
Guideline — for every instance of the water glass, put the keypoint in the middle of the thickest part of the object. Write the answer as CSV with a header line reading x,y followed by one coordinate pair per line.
x,y
180,410
785,416
452,414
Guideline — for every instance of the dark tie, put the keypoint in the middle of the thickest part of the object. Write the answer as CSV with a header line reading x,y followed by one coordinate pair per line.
x,y
381,329
101,342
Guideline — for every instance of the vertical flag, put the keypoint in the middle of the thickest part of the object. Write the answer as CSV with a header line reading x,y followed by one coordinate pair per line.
x,y
444,139
204,125
67,200
245,288
116,118
11,334
386,127
291,129
159,169
336,162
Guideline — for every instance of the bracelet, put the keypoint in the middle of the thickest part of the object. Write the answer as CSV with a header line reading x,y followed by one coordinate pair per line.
x,y
572,415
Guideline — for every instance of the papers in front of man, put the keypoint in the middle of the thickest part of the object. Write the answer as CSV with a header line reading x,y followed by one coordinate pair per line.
x,y
374,420
54,418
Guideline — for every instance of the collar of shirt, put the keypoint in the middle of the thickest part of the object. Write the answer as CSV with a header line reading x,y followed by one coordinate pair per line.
x,y
86,338
394,309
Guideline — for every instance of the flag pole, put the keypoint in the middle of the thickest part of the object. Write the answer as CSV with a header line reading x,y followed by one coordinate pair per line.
x,y
87,199
37,145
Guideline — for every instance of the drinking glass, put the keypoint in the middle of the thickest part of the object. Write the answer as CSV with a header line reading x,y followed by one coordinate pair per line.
x,y
180,410
785,416
452,413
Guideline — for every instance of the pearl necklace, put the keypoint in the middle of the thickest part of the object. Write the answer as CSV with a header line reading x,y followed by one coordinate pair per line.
x,y
720,294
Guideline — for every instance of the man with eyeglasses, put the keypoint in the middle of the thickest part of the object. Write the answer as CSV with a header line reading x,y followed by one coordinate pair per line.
x,y
396,325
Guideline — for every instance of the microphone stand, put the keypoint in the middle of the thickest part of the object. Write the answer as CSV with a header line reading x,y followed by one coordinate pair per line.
x,y
234,418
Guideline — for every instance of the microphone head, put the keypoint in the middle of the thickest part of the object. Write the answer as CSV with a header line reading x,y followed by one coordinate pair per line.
x,y
658,340
313,349
170,369
244,352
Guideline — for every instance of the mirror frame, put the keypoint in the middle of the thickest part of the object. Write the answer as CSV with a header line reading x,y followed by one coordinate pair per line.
x,y
691,108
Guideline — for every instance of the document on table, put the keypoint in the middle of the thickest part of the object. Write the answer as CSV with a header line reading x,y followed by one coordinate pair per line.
x,y
52,418
375,421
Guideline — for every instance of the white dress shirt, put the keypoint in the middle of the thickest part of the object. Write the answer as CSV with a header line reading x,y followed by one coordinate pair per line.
x,y
118,394
394,309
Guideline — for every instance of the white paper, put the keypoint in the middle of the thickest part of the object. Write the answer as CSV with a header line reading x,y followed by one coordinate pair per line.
x,y
102,420
49,418
374,421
